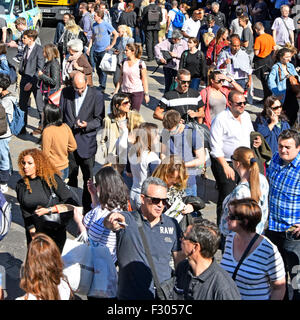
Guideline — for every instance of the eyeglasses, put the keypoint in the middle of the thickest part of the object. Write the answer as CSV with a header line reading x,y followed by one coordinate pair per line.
x,y
156,201
184,81
241,103
233,159
183,237
126,102
233,217
276,107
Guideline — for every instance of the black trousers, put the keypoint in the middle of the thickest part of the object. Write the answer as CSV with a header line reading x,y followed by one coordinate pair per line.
x,y
266,65
225,186
151,41
86,166
25,95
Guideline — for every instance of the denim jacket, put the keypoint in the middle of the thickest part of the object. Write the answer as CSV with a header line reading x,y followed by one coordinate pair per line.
x,y
277,86
4,68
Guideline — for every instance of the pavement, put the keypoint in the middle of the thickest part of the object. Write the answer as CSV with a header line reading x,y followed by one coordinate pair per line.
x,y
13,247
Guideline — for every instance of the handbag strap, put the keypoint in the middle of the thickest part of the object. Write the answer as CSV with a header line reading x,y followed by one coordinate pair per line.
x,y
244,255
287,29
149,256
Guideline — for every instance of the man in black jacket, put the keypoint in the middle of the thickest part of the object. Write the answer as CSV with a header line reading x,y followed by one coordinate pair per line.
x,y
151,18
219,16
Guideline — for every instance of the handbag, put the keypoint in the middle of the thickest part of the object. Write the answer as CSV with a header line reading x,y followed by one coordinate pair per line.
x,y
294,82
54,98
78,265
244,255
109,62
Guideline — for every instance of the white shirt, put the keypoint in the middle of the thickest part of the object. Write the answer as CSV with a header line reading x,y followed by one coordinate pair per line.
x,y
227,133
79,100
191,27
236,28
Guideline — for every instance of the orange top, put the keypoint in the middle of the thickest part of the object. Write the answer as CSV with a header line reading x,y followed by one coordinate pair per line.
x,y
265,44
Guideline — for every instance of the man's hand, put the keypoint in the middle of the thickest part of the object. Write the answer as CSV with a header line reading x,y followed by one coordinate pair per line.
x,y
81,124
296,231
108,48
257,142
163,61
27,86
40,211
187,209
112,221
229,172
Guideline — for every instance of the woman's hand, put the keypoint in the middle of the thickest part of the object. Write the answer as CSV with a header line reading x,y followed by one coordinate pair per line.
x,y
78,216
27,86
192,113
91,187
188,209
40,211
147,98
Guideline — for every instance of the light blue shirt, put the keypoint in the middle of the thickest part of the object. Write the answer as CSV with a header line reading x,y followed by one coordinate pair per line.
x,y
79,100
102,32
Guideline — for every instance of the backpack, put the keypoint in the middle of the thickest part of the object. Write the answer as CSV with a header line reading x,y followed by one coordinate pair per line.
x,y
179,19
3,120
12,72
153,15
18,119
5,216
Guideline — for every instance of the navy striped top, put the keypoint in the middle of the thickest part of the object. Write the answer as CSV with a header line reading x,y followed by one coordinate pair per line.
x,y
261,267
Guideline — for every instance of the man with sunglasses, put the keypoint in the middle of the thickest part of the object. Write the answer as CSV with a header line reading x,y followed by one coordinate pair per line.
x,y
199,276
83,110
162,234
183,99
230,129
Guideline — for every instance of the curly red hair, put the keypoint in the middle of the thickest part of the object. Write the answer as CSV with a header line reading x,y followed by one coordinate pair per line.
x,y
44,168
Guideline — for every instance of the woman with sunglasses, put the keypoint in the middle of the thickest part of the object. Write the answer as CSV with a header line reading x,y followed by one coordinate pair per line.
x,y
114,134
271,122
279,84
252,184
215,95
143,159
261,275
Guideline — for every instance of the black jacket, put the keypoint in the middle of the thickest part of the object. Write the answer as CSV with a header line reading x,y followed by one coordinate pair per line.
x,y
51,78
145,22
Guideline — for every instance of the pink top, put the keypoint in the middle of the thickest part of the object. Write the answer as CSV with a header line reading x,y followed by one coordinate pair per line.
x,y
132,81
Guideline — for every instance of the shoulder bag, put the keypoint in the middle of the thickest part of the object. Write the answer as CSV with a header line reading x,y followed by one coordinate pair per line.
x,y
244,255
294,82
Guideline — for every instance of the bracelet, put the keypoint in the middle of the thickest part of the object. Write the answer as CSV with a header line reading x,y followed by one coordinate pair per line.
x,y
49,210
56,209
146,94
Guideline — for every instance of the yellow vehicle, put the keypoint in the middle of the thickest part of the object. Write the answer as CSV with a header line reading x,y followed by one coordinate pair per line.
x,y
55,9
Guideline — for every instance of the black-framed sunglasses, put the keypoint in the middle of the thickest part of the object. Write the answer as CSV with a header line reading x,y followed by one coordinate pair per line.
x,y
184,81
156,201
233,158
220,80
276,107
125,102
241,103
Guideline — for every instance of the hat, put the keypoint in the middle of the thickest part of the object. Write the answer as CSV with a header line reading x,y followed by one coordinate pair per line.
x,y
176,34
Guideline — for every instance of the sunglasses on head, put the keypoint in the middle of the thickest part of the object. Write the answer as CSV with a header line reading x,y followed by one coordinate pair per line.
x,y
156,201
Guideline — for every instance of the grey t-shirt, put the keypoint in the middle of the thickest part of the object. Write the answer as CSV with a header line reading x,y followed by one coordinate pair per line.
x,y
247,35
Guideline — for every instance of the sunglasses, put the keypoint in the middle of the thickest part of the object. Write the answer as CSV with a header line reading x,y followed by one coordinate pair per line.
x,y
219,81
233,158
233,217
241,103
183,237
276,107
125,102
156,201
185,82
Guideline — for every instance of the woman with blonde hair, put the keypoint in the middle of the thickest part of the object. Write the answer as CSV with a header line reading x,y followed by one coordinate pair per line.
x,y
40,182
42,273
135,119
163,23
252,184
72,31
133,79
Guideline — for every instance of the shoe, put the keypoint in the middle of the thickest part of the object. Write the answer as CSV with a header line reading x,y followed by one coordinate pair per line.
x,y
3,188
37,131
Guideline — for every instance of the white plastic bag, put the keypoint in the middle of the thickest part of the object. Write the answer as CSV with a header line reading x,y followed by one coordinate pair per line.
x,y
78,265
105,280
109,62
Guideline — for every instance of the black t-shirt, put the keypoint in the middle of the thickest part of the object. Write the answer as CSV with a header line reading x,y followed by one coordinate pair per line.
x,y
195,63
182,102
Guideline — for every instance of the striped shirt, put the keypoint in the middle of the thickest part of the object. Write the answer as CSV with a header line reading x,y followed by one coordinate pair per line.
x,y
182,102
97,233
284,197
260,267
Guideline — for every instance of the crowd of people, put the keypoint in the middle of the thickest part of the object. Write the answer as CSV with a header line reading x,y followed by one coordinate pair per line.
x,y
209,52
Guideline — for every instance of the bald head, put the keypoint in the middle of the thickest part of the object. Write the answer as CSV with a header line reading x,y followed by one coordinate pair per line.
x,y
79,82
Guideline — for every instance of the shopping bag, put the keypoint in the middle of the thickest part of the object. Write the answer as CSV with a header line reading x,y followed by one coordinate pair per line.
x,y
78,265
109,62
105,280
55,97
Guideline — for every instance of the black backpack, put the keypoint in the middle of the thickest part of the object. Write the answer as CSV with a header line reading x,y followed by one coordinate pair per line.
x,y
153,15
3,120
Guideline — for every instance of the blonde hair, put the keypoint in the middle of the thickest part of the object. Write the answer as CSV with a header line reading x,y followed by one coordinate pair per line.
x,y
247,158
135,119
126,29
72,26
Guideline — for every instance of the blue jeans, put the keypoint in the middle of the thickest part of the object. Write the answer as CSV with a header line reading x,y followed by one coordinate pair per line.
x,y
98,56
4,160
195,83
64,173
191,190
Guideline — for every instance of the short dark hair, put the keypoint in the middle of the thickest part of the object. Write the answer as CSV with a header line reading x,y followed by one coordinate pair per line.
x,y
171,119
33,34
207,234
52,116
113,191
4,81
290,134
248,210
233,93
281,52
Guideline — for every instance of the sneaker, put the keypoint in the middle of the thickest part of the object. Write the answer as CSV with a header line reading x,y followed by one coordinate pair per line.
x,y
3,188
